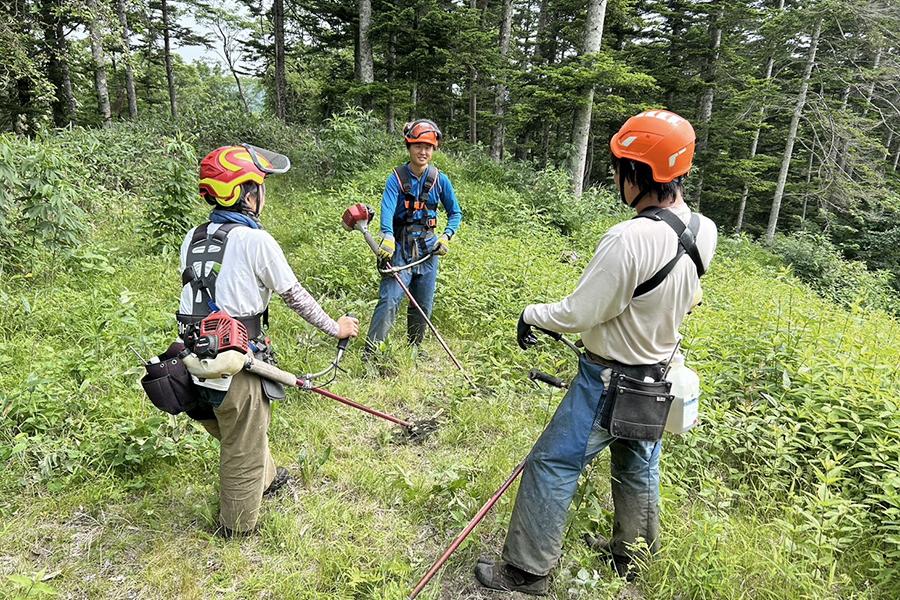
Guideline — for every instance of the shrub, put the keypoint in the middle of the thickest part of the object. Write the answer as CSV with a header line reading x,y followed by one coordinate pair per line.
x,y
818,262
172,210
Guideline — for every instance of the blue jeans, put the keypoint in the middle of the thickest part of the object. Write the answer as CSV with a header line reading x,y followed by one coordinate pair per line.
x,y
421,281
568,444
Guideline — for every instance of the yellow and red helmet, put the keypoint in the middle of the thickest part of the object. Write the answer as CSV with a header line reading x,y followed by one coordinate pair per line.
x,y
223,170
660,139
422,131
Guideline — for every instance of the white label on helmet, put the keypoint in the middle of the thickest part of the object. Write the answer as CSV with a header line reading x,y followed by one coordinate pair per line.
x,y
675,156
628,141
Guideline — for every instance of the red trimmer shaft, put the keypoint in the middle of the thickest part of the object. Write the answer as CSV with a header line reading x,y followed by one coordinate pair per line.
x,y
466,531
356,405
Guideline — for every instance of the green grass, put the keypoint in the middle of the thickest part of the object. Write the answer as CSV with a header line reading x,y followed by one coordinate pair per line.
x,y
789,489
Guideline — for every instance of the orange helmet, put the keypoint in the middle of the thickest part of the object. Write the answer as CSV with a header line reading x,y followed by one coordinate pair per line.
x,y
422,131
223,170
660,139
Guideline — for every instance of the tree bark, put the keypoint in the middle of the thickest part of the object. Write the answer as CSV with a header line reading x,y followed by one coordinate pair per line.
x,y
100,86
792,133
392,67
754,144
366,60
167,56
280,77
709,92
593,35
126,52
498,131
57,63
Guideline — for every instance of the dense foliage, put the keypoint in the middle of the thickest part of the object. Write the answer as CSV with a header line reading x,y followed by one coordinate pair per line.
x,y
795,103
790,488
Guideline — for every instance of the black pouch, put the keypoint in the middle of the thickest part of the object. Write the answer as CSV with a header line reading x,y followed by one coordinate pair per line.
x,y
636,410
272,390
168,383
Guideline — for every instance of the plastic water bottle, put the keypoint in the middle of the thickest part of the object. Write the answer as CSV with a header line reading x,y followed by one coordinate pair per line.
x,y
684,413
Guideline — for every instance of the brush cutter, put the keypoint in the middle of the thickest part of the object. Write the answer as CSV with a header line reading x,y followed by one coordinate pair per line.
x,y
358,217
231,361
533,375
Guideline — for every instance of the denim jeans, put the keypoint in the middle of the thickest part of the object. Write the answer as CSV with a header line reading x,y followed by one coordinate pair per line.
x,y
421,281
569,443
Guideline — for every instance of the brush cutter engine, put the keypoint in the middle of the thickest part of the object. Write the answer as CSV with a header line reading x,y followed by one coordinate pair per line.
x,y
217,332
357,216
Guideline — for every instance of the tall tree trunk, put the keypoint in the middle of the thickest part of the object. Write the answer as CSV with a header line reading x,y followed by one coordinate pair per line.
x,y
167,56
754,144
593,34
57,63
499,129
897,157
100,86
280,77
809,166
792,133
473,94
126,52
709,92
68,93
392,67
366,60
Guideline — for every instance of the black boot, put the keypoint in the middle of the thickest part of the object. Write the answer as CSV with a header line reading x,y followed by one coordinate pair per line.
x,y
505,577
281,477
623,565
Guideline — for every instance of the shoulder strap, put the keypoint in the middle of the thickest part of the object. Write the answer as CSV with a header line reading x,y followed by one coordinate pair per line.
x,y
402,175
687,236
208,249
431,177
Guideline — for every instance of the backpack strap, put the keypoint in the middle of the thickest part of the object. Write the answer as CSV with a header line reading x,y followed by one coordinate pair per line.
x,y
687,236
208,249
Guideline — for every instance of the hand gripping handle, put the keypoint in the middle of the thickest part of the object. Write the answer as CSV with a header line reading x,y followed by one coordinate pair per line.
x,y
536,375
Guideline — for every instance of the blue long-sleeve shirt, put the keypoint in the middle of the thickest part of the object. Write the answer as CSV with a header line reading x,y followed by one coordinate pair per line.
x,y
392,201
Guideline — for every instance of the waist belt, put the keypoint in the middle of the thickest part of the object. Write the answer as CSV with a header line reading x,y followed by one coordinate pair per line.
x,y
639,372
253,323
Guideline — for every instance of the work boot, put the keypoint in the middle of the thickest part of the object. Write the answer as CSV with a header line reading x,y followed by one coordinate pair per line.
x,y
281,477
623,565
505,577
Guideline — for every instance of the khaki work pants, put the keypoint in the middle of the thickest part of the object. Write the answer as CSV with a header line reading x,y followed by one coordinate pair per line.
x,y
246,467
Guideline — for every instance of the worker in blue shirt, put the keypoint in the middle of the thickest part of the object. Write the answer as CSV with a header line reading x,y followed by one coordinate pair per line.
x,y
408,220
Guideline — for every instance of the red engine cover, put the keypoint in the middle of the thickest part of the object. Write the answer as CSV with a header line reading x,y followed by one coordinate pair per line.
x,y
231,333
356,213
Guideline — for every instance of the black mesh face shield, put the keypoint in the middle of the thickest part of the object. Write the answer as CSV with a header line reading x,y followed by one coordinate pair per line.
x,y
270,163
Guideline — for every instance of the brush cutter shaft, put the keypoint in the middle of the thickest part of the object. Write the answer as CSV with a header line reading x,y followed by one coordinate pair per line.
x,y
467,530
371,411
258,367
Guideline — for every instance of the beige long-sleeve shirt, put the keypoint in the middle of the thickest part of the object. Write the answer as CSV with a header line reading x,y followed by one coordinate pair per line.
x,y
643,330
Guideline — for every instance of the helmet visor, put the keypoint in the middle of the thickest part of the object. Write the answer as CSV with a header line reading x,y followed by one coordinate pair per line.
x,y
421,127
267,161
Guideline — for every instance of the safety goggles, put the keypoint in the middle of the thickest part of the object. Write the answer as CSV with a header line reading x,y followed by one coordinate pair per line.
x,y
270,163
430,127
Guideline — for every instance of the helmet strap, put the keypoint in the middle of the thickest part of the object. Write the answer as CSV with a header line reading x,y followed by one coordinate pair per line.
x,y
637,199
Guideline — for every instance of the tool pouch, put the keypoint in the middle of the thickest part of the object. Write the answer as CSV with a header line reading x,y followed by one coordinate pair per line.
x,y
168,383
635,409
272,390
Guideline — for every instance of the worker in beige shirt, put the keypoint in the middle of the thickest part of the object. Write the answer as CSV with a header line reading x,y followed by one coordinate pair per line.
x,y
628,305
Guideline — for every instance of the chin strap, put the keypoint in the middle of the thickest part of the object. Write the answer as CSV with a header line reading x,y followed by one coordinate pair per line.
x,y
624,200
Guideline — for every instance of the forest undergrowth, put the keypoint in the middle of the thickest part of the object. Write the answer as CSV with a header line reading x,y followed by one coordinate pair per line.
x,y
788,489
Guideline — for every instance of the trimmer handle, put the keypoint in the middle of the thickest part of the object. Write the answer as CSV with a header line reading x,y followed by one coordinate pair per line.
x,y
342,344
556,382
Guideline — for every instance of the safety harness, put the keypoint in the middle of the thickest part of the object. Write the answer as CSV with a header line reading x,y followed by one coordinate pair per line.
x,y
687,238
208,249
417,210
